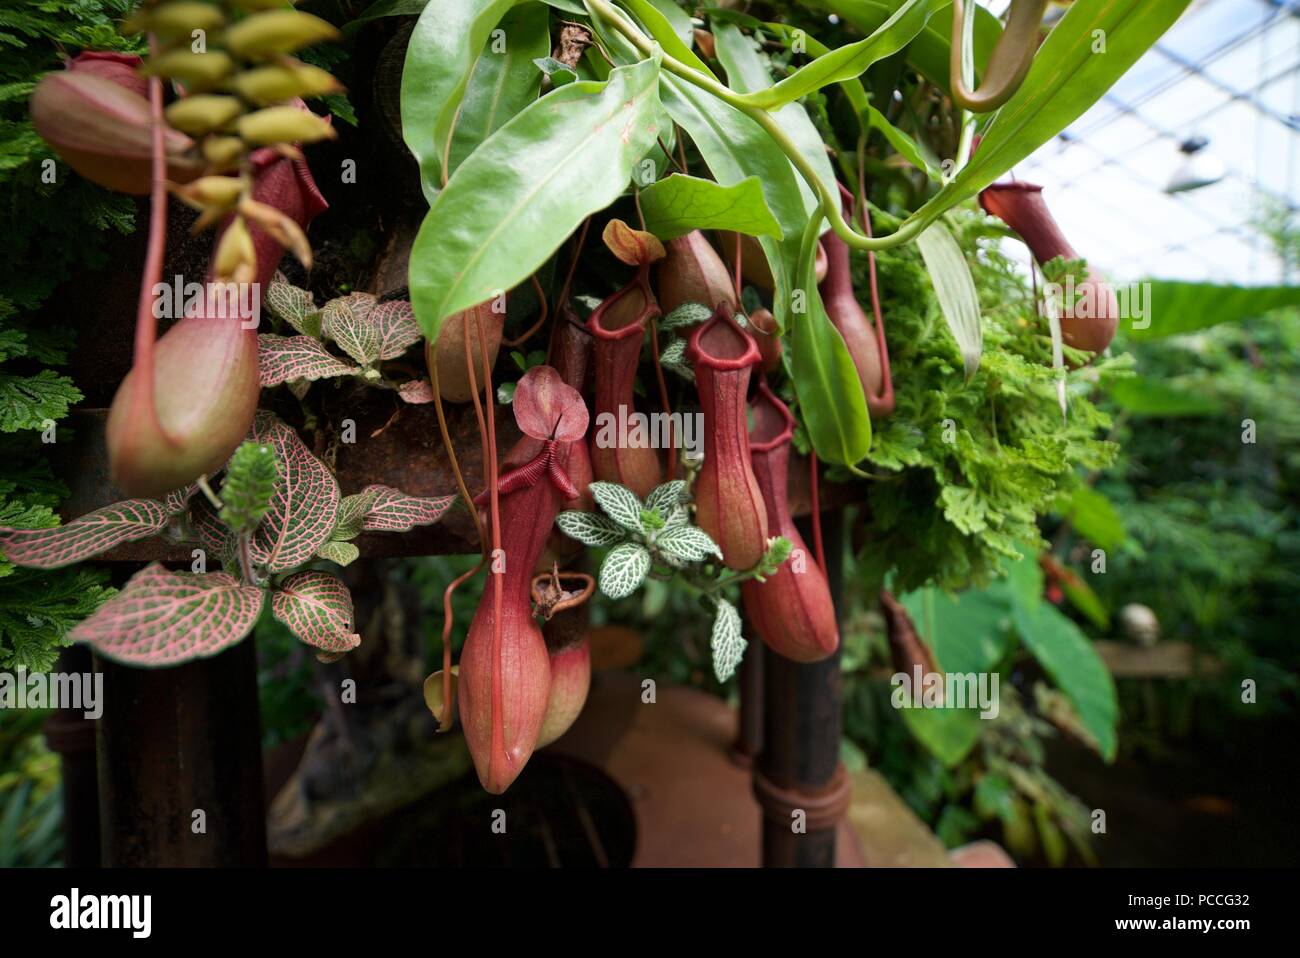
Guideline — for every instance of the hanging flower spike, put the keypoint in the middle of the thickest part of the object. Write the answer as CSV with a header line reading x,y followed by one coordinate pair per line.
x,y
792,609
206,382
1090,320
618,327
728,504
95,116
503,691
1009,62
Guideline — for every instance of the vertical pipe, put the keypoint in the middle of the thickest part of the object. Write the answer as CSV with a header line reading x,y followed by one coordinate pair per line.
x,y
749,735
798,778
72,735
174,743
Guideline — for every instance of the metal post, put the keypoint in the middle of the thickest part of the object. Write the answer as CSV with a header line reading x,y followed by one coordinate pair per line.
x,y
798,779
180,764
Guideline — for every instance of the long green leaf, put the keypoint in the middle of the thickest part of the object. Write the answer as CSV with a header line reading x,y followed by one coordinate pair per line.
x,y
669,29
1074,666
1069,74
1146,397
831,402
930,50
851,60
860,100
746,73
504,81
515,199
439,61
955,290
1176,307
678,204
734,148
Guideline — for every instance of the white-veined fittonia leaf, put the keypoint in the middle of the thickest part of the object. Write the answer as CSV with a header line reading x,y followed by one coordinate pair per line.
x,y
727,643
624,569
619,503
590,529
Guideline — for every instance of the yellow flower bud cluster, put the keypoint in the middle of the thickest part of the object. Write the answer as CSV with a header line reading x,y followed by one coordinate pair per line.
x,y
231,63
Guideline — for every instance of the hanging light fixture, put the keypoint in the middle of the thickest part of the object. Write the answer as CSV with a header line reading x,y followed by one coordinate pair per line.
x,y
1199,166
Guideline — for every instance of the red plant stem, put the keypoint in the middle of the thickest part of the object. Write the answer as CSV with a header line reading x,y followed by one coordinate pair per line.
x,y
146,326
541,320
816,511
498,586
568,280
886,376
663,396
738,256
446,718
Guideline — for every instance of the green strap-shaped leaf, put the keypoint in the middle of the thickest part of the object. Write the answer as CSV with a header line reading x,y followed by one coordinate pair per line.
x,y
832,403
671,27
734,147
624,569
82,538
929,51
1089,49
522,193
1150,397
727,642
505,79
678,204
868,115
852,59
1074,665
317,608
746,73
165,618
955,290
440,59
1169,307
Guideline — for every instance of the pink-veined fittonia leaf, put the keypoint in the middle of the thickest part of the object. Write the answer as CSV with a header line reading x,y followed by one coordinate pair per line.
x,y
82,538
347,321
293,305
178,500
352,514
417,392
546,407
317,608
165,618
395,323
302,511
394,511
305,503
282,358
342,553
